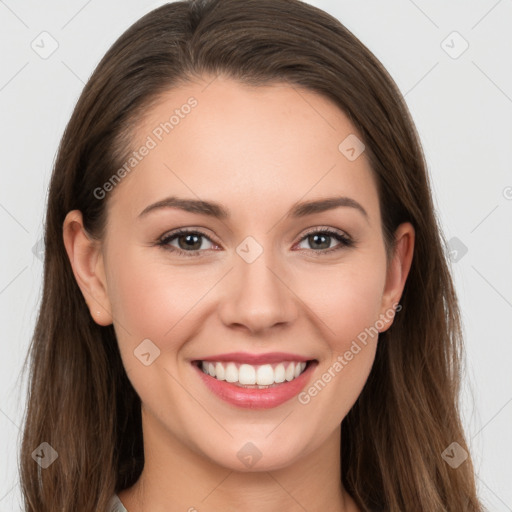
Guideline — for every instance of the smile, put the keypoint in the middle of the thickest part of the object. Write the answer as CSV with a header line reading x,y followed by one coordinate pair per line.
x,y
248,375
255,381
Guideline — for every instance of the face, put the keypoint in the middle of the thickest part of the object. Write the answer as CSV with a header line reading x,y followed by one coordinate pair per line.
x,y
212,254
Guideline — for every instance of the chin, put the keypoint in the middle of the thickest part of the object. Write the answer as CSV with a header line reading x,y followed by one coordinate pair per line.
x,y
254,456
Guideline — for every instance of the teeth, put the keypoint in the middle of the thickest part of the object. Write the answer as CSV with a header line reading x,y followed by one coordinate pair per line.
x,y
231,372
290,372
249,375
264,375
220,372
279,373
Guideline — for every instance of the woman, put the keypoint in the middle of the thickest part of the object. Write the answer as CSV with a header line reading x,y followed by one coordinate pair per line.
x,y
195,348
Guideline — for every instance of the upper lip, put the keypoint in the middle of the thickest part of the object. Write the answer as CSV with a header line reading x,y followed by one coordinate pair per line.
x,y
255,359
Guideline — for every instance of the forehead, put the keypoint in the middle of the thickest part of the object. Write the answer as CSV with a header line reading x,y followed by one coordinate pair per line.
x,y
247,147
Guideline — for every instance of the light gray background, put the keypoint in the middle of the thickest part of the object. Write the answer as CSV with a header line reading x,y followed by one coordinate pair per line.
x,y
463,110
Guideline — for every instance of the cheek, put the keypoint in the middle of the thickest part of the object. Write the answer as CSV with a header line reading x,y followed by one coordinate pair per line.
x,y
347,303
346,299
153,301
148,297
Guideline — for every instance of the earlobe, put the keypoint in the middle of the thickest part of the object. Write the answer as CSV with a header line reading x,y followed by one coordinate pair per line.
x,y
86,260
398,271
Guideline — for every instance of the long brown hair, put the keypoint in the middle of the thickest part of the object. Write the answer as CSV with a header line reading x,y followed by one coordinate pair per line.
x,y
81,401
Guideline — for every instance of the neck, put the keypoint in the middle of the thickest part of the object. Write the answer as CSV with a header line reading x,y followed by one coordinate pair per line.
x,y
176,478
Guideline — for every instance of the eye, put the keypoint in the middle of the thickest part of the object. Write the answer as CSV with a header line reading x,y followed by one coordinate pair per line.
x,y
189,242
321,238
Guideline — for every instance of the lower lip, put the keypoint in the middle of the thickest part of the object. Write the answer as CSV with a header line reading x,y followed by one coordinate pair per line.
x,y
254,398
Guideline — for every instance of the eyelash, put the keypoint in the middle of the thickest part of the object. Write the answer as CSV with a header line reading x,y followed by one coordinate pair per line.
x,y
344,240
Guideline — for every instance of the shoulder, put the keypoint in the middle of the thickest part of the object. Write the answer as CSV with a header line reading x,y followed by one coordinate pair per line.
x,y
115,505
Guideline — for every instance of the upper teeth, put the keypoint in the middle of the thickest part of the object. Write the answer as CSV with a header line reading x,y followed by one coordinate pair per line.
x,y
247,374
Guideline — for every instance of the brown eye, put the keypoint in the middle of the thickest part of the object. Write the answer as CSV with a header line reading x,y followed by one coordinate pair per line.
x,y
189,243
320,240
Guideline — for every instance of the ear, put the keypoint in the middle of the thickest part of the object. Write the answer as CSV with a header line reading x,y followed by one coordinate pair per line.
x,y
86,260
397,272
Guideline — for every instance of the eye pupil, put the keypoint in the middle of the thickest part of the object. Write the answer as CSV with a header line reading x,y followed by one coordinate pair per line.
x,y
190,244
315,238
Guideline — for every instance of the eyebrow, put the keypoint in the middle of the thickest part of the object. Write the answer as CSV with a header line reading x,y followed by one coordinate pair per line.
x,y
213,209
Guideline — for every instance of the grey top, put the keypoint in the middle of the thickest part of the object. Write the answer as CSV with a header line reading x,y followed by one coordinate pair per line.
x,y
115,505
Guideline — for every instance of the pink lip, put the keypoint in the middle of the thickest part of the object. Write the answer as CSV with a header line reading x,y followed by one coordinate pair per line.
x,y
255,359
254,398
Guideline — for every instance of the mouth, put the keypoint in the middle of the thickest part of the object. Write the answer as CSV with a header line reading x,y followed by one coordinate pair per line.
x,y
251,376
258,382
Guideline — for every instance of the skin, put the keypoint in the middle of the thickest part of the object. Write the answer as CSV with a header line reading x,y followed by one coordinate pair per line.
x,y
257,151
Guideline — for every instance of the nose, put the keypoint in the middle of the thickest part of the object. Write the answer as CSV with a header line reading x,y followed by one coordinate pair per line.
x,y
258,297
